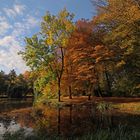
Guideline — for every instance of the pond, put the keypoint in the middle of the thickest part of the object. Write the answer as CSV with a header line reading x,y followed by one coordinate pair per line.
x,y
67,121
11,104
9,124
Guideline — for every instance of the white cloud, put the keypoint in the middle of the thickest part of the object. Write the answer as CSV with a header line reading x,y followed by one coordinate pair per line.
x,y
17,9
11,43
25,26
4,25
2,18
19,29
9,12
9,58
32,21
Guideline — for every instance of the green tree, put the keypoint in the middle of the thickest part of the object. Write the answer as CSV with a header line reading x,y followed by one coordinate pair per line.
x,y
57,30
2,83
47,50
11,82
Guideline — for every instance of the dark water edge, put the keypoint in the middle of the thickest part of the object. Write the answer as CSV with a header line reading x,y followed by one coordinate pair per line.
x,y
7,105
66,122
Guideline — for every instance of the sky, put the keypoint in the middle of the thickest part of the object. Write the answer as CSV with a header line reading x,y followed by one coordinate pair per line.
x,y
22,18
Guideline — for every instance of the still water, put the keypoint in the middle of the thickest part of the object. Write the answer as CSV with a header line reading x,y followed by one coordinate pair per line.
x,y
72,120
10,124
12,104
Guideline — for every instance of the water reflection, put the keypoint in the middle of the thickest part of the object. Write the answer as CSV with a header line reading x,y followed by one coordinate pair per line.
x,y
67,121
77,120
9,125
11,104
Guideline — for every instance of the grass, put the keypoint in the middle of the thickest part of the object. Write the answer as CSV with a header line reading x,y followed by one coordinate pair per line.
x,y
132,108
104,106
119,133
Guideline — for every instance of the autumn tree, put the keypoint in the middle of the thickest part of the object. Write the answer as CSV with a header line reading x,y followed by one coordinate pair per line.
x,y
90,60
47,51
80,47
56,30
68,78
120,19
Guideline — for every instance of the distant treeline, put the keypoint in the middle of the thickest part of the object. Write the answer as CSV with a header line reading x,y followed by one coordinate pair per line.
x,y
15,86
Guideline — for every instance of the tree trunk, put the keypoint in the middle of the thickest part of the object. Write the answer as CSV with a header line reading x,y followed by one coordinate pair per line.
x,y
59,91
99,91
108,83
89,97
70,93
60,75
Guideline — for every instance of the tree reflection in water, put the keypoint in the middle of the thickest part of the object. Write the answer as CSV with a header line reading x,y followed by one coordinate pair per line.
x,y
68,121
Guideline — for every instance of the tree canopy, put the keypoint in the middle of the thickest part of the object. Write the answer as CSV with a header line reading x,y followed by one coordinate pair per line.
x,y
98,57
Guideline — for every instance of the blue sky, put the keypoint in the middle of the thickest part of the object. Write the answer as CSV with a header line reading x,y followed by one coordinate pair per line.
x,y
20,18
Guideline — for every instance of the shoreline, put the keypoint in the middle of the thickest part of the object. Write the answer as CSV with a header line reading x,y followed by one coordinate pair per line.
x,y
122,105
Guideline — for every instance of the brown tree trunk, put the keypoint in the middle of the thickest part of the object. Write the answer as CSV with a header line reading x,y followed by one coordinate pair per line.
x,y
89,97
97,91
70,93
108,83
59,91
59,75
